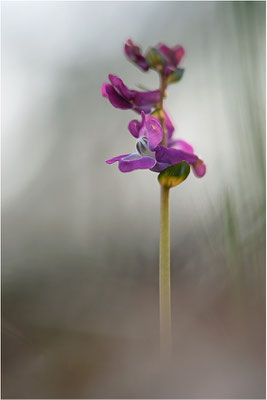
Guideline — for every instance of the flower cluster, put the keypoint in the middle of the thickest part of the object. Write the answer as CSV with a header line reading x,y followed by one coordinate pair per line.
x,y
149,132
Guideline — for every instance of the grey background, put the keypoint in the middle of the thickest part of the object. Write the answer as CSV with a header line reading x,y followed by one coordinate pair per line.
x,y
80,239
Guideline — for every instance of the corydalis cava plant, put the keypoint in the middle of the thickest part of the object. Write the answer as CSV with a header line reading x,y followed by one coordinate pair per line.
x,y
156,149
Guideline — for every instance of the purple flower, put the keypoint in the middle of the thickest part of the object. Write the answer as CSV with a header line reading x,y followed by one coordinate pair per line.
x,y
178,151
152,155
133,52
149,134
172,57
122,97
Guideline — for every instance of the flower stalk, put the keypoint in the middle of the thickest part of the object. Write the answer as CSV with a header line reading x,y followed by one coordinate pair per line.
x,y
164,276
158,151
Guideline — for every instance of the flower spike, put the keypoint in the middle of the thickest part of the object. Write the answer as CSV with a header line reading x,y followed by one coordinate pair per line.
x,y
157,150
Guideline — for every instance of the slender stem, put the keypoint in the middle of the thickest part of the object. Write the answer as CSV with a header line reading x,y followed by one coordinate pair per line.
x,y
164,276
164,254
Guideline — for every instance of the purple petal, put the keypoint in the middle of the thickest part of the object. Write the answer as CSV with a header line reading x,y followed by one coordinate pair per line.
x,y
118,158
116,100
120,87
172,56
181,145
152,130
168,125
134,127
199,168
135,161
103,89
165,51
143,116
159,167
134,53
146,109
146,98
173,156
141,61
178,53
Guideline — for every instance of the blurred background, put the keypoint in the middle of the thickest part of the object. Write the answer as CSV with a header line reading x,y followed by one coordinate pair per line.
x,y
80,239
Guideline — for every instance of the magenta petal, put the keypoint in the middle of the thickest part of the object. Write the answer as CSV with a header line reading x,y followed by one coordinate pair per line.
x,y
141,61
133,52
143,116
103,89
116,100
172,55
118,158
158,167
199,168
120,87
135,161
134,127
146,98
173,156
181,145
153,131
122,97
165,51
146,109
178,53
168,124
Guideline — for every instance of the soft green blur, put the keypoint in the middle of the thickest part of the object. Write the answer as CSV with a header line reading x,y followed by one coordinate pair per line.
x,y
80,239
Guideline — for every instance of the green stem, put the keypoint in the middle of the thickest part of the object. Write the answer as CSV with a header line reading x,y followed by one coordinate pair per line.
x,y
164,254
164,276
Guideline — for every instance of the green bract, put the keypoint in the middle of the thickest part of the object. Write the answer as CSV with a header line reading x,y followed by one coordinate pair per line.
x,y
176,75
174,175
155,59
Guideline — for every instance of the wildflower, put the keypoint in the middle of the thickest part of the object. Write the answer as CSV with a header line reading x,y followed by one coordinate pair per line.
x,y
134,54
149,134
151,155
158,151
185,150
122,97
